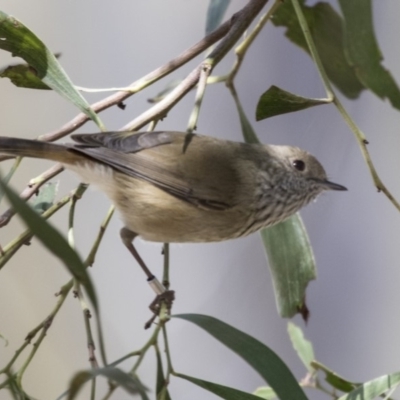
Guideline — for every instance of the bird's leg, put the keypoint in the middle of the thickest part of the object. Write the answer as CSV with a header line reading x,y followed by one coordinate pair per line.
x,y
162,294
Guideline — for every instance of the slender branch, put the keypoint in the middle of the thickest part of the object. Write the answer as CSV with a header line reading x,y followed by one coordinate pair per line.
x,y
165,281
201,88
361,139
240,22
141,83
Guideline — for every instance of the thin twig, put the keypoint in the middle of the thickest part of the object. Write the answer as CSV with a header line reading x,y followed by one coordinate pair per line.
x,y
240,22
361,139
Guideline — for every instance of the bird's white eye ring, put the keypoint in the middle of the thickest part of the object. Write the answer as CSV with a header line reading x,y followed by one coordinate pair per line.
x,y
299,165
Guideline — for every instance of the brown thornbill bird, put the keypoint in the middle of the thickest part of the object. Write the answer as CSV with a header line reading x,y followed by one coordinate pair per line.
x,y
178,187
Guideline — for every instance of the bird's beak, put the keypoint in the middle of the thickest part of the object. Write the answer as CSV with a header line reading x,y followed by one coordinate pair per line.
x,y
332,186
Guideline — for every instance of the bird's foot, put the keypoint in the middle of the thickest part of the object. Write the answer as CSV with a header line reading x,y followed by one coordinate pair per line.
x,y
166,298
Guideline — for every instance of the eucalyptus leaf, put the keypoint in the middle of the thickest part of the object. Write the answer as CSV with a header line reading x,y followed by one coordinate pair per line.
x,y
256,354
335,380
302,346
22,75
45,198
265,392
326,28
215,12
130,383
276,101
224,392
16,38
53,240
160,379
292,264
372,389
363,53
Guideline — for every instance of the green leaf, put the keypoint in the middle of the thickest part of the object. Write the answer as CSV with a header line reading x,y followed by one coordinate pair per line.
x,y
363,53
130,383
326,27
248,132
22,75
21,42
45,198
292,264
372,389
276,101
9,175
335,380
302,346
4,339
53,240
265,392
224,392
161,388
215,13
260,357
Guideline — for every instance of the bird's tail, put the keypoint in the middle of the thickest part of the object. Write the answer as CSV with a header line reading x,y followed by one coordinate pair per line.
x,y
38,149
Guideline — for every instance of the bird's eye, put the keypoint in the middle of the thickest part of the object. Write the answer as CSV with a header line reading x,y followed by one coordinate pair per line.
x,y
299,165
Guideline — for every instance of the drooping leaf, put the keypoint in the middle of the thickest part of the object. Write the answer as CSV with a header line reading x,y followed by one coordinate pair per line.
x,y
335,380
292,264
363,53
22,75
256,354
326,27
372,389
16,38
45,198
302,346
265,392
224,392
248,132
215,12
128,382
53,240
160,380
276,101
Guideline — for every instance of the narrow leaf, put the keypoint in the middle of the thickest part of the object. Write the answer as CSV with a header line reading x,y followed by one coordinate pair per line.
x,y
130,383
22,75
326,27
160,380
335,380
276,101
363,53
265,393
45,198
248,132
372,389
302,346
224,392
215,13
53,240
292,264
16,38
260,357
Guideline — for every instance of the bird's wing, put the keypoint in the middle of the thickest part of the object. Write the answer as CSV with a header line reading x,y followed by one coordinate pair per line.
x,y
194,168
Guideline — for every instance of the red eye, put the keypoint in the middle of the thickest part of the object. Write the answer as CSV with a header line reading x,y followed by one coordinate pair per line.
x,y
299,165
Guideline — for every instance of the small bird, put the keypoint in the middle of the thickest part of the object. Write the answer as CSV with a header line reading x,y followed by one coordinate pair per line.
x,y
175,187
